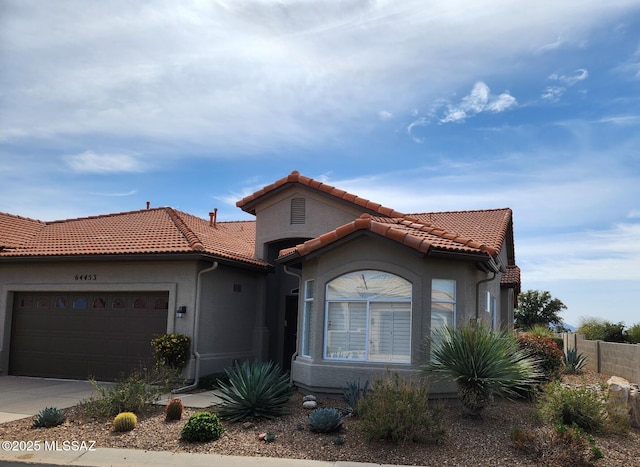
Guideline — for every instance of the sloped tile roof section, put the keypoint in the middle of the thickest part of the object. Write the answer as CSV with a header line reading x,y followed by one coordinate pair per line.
x,y
248,204
511,278
150,231
16,230
419,235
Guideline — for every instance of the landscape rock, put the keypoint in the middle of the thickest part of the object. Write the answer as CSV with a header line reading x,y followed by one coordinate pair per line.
x,y
309,404
309,397
624,400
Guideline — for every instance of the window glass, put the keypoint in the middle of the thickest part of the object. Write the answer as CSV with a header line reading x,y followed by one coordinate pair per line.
x,y
119,303
43,302
443,306
307,318
61,303
140,303
368,317
79,303
99,303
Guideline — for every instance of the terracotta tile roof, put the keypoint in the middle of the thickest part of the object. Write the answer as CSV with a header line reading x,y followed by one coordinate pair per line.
x,y
422,236
248,203
15,230
511,277
159,230
488,227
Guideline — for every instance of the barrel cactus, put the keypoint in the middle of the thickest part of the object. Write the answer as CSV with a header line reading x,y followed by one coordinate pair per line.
x,y
174,410
125,421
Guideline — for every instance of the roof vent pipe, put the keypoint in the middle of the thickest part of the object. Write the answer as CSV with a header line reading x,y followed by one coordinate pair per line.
x,y
148,204
213,217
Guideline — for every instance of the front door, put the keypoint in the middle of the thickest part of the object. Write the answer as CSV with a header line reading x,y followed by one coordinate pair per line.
x,y
290,331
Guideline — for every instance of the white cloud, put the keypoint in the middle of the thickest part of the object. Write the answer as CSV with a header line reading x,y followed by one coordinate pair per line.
x,y
249,76
554,93
385,115
90,162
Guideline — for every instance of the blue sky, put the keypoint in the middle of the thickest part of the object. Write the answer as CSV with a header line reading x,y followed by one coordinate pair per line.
x,y
420,106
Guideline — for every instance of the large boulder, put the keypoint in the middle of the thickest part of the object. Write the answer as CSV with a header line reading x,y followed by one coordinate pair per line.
x,y
624,400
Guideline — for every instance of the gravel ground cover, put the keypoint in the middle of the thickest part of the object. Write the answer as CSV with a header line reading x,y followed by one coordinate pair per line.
x,y
468,442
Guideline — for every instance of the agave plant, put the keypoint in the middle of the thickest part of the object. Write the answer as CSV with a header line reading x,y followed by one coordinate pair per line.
x,y
255,390
483,363
573,361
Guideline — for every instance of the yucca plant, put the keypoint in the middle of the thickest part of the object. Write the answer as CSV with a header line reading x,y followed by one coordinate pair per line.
x,y
483,363
573,361
255,390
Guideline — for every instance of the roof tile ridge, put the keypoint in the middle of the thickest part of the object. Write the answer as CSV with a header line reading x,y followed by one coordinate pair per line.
x,y
193,240
15,216
459,211
103,216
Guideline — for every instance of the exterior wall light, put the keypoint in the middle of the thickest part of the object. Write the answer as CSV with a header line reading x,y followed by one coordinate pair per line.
x,y
181,311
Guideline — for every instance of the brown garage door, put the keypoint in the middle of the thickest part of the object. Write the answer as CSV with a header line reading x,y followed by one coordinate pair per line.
x,y
81,335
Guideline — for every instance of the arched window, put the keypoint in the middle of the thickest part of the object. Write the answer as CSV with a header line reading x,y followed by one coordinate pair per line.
x,y
368,318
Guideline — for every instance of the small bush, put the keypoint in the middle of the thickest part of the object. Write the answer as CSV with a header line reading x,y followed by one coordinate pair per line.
x,y
545,350
171,350
558,445
573,361
325,420
173,410
125,421
129,394
49,417
353,393
202,427
255,390
579,406
632,335
398,410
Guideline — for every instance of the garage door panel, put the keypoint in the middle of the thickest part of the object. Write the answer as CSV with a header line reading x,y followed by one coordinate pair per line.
x,y
103,335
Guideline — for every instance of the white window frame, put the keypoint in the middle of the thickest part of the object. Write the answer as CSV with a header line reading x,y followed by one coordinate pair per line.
x,y
365,354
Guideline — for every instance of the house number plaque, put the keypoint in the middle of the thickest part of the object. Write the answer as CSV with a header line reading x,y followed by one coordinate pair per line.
x,y
86,277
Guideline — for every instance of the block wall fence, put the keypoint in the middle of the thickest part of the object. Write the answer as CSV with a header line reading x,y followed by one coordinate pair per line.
x,y
607,358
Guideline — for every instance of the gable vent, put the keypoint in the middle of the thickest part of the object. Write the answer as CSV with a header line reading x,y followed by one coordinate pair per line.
x,y
298,210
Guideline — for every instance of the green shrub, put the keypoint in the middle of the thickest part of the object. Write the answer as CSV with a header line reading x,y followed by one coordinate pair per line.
x,y
483,363
632,335
173,410
353,393
580,406
202,427
325,420
125,421
573,361
171,350
399,410
129,394
49,417
546,352
255,390
600,329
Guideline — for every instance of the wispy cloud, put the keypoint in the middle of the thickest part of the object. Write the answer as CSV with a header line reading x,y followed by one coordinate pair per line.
x,y
553,93
477,101
91,162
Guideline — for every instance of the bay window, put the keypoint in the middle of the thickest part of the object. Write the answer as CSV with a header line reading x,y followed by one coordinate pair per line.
x,y
368,318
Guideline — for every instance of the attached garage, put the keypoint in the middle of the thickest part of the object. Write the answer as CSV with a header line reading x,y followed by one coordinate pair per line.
x,y
81,335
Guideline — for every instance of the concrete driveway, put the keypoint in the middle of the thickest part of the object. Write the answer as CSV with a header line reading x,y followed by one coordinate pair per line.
x,y
22,396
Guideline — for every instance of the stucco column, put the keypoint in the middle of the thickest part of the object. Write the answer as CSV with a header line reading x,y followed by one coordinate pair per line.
x,y
260,344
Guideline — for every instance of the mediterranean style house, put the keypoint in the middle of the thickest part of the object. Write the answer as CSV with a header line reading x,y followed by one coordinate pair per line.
x,y
331,286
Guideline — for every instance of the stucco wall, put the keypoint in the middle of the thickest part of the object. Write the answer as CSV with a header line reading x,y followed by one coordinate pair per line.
x,y
323,214
229,305
228,317
367,252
